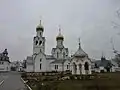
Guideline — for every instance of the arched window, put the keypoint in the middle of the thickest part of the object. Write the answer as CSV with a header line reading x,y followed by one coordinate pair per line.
x,y
67,66
86,66
36,42
40,66
80,68
56,67
40,50
40,34
57,55
40,42
40,59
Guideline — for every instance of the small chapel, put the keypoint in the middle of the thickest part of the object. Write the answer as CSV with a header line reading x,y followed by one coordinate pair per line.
x,y
59,59
80,62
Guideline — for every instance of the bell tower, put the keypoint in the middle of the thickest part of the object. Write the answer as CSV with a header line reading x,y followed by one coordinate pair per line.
x,y
39,40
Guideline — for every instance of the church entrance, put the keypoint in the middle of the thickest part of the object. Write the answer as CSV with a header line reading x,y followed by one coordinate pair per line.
x,y
86,67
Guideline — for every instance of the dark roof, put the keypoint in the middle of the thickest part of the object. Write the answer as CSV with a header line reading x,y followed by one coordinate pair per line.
x,y
29,58
61,60
49,57
39,37
53,49
80,52
58,61
103,63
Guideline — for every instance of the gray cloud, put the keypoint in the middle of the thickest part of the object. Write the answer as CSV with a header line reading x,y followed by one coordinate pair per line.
x,y
88,19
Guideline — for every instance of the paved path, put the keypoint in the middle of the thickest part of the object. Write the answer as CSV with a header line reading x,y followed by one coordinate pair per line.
x,y
3,76
12,81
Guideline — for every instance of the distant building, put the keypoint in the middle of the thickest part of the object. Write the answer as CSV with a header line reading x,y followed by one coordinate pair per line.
x,y
104,65
4,61
17,66
59,59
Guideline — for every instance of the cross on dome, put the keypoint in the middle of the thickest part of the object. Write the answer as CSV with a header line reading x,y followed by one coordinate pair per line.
x,y
60,36
40,27
59,29
79,43
40,22
80,52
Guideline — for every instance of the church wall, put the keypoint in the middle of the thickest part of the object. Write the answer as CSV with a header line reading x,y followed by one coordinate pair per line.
x,y
64,51
59,67
48,66
81,61
67,65
29,68
60,53
42,62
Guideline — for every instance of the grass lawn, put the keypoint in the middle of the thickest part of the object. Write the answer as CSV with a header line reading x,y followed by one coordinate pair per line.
x,y
105,81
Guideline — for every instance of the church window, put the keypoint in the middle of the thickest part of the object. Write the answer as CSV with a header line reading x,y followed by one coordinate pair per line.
x,y
40,42
63,54
67,66
40,34
86,66
57,55
40,66
56,66
40,50
36,42
40,60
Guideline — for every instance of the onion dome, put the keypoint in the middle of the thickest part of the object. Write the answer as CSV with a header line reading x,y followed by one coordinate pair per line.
x,y
40,27
80,52
60,36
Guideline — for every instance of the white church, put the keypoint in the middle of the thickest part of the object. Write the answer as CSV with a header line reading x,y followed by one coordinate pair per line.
x,y
59,60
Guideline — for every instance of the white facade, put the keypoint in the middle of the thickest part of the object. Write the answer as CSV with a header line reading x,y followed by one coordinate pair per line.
x,y
59,59
80,64
4,66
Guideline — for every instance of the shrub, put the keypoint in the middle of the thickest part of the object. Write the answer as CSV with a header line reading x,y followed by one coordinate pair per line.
x,y
24,75
72,77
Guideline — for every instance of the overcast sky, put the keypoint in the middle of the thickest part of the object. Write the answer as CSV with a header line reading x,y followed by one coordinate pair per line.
x,y
88,19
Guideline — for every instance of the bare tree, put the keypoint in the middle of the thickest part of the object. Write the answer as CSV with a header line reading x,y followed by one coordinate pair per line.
x,y
116,52
115,24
